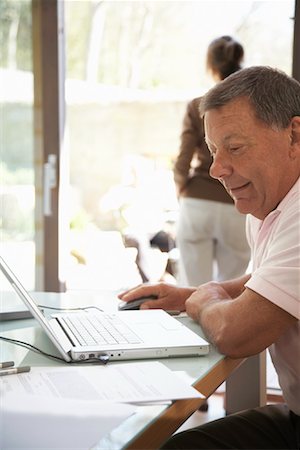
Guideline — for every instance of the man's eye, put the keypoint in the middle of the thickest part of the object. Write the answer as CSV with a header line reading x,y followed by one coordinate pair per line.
x,y
235,148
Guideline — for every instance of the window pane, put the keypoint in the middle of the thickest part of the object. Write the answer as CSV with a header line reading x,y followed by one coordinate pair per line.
x,y
17,172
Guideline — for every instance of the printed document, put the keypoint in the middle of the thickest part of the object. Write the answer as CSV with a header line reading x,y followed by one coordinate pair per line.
x,y
75,407
129,382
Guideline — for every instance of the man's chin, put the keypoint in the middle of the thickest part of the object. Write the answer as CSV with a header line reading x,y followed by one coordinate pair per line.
x,y
243,206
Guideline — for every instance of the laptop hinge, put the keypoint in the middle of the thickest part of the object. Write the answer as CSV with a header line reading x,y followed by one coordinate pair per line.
x,y
61,336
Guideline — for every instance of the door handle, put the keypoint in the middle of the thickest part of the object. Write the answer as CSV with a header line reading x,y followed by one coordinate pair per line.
x,y
50,182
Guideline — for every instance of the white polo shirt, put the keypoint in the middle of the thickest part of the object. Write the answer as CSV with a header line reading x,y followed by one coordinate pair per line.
x,y
275,245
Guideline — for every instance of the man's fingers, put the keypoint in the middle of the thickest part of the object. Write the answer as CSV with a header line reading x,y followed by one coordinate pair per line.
x,y
152,304
139,291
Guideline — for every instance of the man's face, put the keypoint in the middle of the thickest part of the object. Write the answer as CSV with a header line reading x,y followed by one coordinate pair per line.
x,y
253,161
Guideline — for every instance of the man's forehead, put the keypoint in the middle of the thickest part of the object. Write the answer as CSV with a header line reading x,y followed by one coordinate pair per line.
x,y
237,106
229,125
230,118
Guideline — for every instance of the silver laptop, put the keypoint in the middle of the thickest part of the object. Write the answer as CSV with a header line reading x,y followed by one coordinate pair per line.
x,y
83,336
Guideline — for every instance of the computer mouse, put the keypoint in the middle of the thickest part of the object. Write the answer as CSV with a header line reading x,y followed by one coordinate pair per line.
x,y
136,303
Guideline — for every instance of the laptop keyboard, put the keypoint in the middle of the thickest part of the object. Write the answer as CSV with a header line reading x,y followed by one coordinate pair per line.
x,y
99,329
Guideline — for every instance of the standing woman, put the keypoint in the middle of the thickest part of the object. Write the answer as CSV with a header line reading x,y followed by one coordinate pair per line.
x,y
210,232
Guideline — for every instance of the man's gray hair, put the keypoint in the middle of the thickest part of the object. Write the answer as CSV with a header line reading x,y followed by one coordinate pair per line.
x,y
274,95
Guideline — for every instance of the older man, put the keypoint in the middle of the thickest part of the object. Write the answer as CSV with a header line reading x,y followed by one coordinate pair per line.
x,y
252,124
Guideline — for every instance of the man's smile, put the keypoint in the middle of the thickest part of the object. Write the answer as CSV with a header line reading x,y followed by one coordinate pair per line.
x,y
238,190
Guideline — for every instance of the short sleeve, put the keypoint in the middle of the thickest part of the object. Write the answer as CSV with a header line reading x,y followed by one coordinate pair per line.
x,y
277,276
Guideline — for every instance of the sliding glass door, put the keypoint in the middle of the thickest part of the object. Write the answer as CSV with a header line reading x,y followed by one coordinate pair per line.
x,y
17,165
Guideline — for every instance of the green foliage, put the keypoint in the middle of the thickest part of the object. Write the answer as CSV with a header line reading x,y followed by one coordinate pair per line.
x,y
17,135
17,218
77,19
15,224
80,220
15,34
16,177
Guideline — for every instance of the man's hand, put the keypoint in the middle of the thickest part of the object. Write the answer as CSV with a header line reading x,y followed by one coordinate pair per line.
x,y
240,326
169,297
203,295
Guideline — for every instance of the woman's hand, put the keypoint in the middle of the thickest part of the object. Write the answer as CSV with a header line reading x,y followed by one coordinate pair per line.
x,y
169,297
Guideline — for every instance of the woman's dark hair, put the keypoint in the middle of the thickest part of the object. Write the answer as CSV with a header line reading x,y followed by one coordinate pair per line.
x,y
224,56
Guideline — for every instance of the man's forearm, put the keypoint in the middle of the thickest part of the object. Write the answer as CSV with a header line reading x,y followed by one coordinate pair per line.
x,y
211,306
235,287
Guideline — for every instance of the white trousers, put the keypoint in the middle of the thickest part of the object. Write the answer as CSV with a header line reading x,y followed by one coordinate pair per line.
x,y
212,242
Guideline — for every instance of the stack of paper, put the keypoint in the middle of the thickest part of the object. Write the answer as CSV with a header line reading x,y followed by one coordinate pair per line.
x,y
57,423
74,407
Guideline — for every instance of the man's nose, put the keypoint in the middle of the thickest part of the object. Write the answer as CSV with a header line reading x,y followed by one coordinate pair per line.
x,y
220,167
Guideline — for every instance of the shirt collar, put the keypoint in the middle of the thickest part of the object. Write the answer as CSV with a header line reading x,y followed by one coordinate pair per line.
x,y
295,190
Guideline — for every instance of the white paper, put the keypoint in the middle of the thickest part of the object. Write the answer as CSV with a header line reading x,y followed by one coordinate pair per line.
x,y
136,382
75,407
36,422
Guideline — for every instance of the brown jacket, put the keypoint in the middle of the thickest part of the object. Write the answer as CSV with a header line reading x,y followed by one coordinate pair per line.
x,y
191,169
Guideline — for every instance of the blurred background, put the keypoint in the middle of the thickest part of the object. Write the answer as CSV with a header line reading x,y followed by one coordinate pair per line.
x,y
127,70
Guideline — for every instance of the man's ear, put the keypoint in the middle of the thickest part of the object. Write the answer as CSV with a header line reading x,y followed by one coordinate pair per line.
x,y
295,136
295,130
